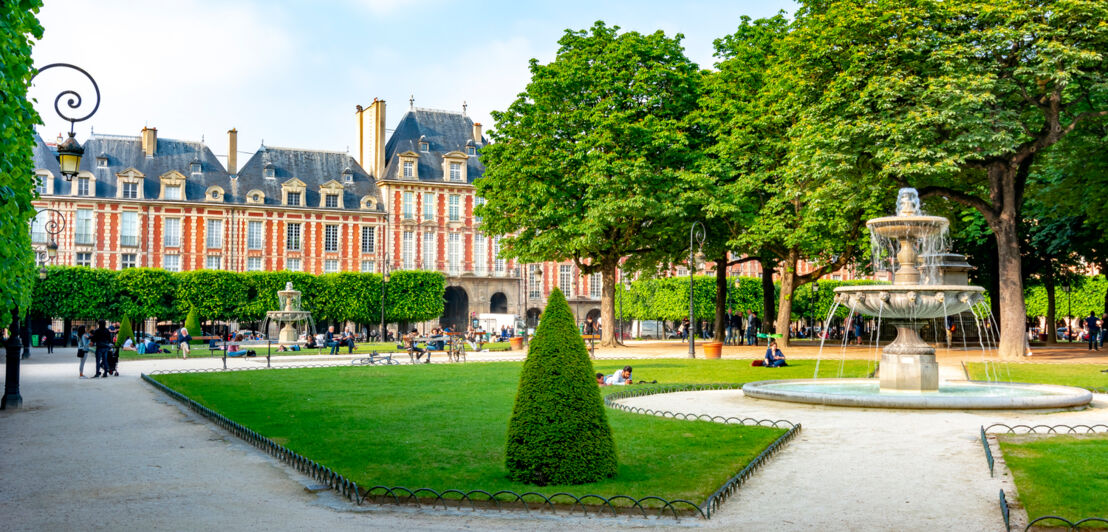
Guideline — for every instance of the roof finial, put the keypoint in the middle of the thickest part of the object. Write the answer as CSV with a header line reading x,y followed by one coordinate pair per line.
x,y
464,105
411,101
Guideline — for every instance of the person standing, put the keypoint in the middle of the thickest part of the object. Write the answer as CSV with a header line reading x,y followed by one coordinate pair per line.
x,y
1093,331
102,341
82,350
736,328
49,339
751,328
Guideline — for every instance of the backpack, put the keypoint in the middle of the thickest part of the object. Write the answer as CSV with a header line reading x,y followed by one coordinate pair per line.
x,y
758,362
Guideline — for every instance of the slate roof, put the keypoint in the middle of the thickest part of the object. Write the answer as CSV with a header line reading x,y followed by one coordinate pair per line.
x,y
444,132
314,168
123,152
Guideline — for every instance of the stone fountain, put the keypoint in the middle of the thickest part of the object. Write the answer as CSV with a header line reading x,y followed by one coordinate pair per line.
x,y
928,282
290,318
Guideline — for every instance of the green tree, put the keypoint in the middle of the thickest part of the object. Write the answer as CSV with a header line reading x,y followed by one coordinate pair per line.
x,y
192,323
18,25
147,293
125,331
558,432
588,160
217,295
958,99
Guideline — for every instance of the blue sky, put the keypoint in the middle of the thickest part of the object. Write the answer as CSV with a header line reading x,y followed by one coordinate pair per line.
x,y
290,72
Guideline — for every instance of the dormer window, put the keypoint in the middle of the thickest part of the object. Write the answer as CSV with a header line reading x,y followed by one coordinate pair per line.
x,y
331,201
292,199
269,172
424,147
471,151
173,192
409,169
347,175
213,193
455,171
255,196
194,167
130,191
102,161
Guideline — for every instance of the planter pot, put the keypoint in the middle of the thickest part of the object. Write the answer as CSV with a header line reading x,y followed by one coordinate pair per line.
x,y
516,342
713,350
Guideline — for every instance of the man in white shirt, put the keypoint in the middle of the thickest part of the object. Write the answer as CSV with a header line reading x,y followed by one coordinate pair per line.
x,y
620,377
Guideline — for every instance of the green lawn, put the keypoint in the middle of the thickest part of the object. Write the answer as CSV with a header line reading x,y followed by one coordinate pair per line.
x,y
1087,376
444,426
201,351
1059,475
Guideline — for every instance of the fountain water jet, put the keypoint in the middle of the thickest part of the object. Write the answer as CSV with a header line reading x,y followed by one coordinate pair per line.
x,y
913,245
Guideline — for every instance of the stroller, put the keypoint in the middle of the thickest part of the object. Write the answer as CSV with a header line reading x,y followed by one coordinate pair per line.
x,y
113,360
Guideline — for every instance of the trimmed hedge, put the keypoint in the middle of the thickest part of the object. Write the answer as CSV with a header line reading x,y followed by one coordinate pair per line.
x,y
558,432
125,332
192,323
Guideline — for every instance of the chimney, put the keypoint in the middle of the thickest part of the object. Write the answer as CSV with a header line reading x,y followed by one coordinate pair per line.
x,y
371,137
149,141
233,151
477,133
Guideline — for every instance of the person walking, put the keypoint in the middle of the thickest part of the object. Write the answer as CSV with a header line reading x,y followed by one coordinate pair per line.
x,y
48,337
82,350
101,339
1093,331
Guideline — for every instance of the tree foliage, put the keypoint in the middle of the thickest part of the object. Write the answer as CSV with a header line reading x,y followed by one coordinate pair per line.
x,y
125,332
18,26
192,323
558,432
147,293
588,159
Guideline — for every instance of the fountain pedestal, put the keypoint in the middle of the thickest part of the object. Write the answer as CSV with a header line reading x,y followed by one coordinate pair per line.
x,y
908,364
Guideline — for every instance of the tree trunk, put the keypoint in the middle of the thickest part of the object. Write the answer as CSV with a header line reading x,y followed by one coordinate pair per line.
x,y
785,302
721,298
1013,310
1051,330
768,303
607,304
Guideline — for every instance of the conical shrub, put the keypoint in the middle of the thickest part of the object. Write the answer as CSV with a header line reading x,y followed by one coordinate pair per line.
x,y
124,333
559,432
192,323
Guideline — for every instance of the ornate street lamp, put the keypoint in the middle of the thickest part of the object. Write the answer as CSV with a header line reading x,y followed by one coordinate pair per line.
x,y
696,242
815,293
70,151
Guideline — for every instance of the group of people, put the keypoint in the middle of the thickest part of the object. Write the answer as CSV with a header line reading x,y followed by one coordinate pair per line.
x,y
334,340
101,342
740,328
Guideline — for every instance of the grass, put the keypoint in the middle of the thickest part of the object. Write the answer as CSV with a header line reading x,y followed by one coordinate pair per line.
x,y
1088,376
1059,475
201,351
445,426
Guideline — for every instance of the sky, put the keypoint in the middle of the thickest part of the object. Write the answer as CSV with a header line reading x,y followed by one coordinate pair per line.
x,y
289,73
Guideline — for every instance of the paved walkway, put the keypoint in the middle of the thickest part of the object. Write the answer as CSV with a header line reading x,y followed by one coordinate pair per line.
x,y
114,454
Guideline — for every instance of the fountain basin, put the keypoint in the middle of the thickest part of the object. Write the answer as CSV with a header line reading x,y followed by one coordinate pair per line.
x,y
954,395
913,226
917,302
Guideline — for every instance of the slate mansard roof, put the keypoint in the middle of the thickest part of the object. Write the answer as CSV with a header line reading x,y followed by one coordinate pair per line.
x,y
444,132
124,152
312,167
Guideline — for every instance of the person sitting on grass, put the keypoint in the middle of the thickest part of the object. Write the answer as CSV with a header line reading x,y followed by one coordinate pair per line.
x,y
152,346
234,350
413,349
129,345
620,377
774,357
310,344
600,379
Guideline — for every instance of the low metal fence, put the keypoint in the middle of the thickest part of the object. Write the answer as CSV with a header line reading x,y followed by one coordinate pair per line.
x,y
988,452
503,499
1046,429
641,391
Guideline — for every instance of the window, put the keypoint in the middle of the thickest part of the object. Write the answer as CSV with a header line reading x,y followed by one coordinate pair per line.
x,y
330,238
101,162
330,266
408,251
682,271
471,151
126,260
454,208
409,169
498,263
253,264
254,234
172,232
128,229
292,238
173,192
347,175
477,201
292,265
130,190
367,239
194,167
293,199
453,253
213,262
215,233
40,184
171,263
331,201
269,172
82,186
455,171
428,206
368,266
406,205
534,282
565,279
83,234
480,260
38,228
424,147
596,286
428,251
84,259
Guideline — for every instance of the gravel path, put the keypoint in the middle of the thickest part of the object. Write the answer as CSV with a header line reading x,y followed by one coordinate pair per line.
x,y
115,454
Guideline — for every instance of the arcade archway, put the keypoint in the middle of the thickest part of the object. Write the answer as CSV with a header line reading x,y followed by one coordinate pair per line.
x,y
456,312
